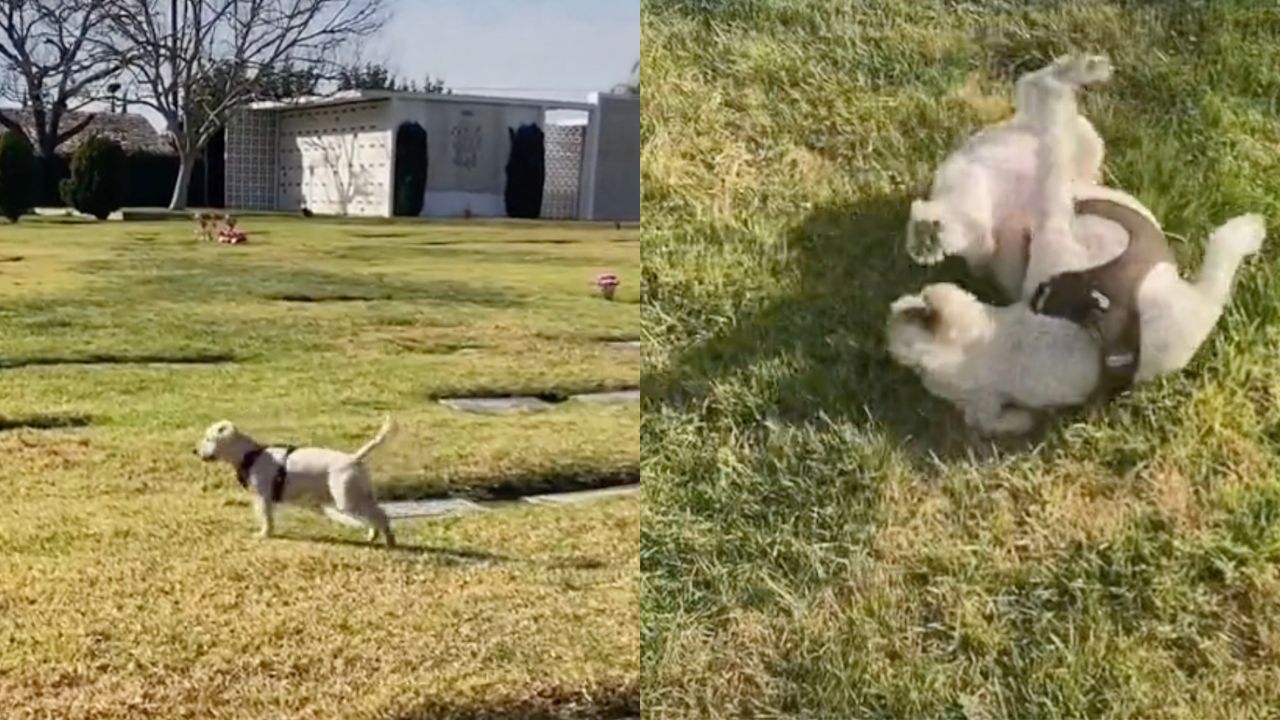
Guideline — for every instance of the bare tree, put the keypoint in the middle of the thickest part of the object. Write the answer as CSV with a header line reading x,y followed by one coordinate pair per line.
x,y
632,85
199,60
52,54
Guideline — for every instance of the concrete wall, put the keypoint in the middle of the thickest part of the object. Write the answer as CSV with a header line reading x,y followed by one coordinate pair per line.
x,y
467,149
612,164
336,159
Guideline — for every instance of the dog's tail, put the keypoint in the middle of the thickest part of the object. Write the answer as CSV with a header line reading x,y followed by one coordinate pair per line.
x,y
1235,240
388,426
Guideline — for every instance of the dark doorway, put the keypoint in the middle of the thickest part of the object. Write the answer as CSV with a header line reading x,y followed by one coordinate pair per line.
x,y
526,172
410,184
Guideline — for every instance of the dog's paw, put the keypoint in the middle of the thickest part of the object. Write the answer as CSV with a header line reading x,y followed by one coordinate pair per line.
x,y
1243,234
924,241
1082,70
1013,421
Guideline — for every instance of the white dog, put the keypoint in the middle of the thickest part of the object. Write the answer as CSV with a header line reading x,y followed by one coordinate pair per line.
x,y
992,362
982,204
317,478
996,363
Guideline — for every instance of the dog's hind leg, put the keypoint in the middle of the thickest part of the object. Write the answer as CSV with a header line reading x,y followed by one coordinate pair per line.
x,y
338,516
1031,108
370,516
1052,113
1089,151
353,497
1070,71
379,523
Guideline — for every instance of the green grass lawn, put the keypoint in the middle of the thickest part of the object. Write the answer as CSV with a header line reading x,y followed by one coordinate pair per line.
x,y
821,538
130,581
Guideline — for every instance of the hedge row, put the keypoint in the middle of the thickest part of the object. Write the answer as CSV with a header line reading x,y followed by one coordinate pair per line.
x,y
151,179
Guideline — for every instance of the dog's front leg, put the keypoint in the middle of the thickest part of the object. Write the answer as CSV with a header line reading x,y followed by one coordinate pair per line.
x,y
266,516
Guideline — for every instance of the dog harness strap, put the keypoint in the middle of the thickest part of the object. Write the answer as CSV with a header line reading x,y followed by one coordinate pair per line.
x,y
1104,298
246,464
1120,278
282,473
277,480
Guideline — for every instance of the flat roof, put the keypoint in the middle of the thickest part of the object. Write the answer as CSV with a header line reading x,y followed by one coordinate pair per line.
x,y
349,96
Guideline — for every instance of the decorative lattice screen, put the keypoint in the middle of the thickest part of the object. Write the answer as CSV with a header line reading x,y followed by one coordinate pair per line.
x,y
564,167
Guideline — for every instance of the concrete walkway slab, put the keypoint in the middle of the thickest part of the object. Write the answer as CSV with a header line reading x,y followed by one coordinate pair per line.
x,y
429,508
497,406
583,496
630,345
614,397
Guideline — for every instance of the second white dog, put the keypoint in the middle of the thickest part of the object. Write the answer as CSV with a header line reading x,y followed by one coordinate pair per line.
x,y
999,363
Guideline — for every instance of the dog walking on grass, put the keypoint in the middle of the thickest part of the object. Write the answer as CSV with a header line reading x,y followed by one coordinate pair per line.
x,y
331,481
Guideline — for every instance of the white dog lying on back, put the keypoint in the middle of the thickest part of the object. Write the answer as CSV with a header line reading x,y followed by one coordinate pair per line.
x,y
996,363
316,478
981,206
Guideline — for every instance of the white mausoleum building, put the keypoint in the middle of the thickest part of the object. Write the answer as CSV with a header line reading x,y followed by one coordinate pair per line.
x,y
336,155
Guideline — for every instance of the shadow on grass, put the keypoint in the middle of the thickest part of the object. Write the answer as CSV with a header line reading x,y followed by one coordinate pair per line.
x,y
44,422
454,556
509,487
618,702
554,394
142,278
829,332
448,555
120,359
380,235
327,297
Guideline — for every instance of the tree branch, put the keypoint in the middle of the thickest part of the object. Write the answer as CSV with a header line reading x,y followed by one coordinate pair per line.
x,y
76,129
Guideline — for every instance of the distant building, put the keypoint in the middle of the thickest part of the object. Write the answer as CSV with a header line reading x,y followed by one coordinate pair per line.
x,y
336,154
133,132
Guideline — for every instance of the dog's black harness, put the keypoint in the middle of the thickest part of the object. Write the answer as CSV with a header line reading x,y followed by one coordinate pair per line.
x,y
1104,298
282,472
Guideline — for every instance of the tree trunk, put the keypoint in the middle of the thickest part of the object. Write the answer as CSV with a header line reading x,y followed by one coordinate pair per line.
x,y
187,164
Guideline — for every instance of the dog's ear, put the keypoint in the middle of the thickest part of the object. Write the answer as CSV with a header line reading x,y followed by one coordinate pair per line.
x,y
224,428
923,315
914,309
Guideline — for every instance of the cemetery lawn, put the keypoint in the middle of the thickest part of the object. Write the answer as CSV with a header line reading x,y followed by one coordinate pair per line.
x,y
131,583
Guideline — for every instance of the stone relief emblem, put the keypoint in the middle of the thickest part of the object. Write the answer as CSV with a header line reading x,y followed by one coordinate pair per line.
x,y
466,144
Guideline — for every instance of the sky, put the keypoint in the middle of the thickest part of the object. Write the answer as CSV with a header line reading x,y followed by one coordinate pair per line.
x,y
552,49
557,49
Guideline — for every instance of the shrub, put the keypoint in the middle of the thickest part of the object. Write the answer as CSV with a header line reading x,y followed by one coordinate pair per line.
x,y
526,172
410,170
97,183
18,176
